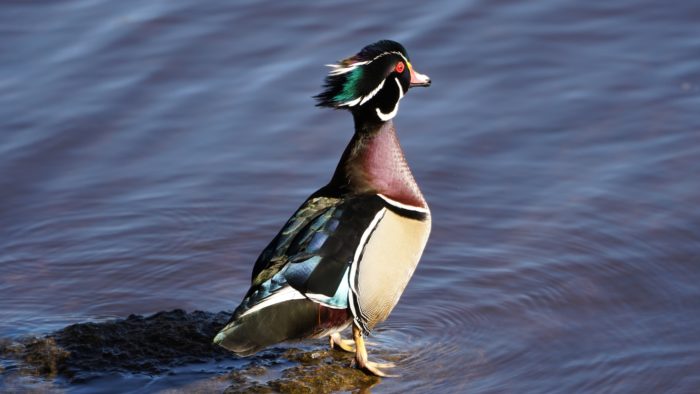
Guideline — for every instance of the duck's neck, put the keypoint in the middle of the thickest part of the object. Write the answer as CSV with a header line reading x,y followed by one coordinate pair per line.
x,y
373,162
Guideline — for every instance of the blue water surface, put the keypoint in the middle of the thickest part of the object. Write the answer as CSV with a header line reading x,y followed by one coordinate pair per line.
x,y
150,150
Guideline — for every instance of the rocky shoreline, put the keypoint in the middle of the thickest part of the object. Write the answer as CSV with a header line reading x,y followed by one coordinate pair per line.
x,y
158,344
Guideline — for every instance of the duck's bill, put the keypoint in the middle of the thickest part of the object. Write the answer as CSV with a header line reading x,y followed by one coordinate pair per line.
x,y
418,79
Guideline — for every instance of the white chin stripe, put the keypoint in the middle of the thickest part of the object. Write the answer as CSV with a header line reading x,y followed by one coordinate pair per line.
x,y
284,294
391,114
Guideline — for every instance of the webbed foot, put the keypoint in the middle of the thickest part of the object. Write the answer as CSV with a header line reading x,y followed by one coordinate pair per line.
x,y
361,356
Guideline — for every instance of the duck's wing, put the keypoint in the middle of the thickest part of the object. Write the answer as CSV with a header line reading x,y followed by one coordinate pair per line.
x,y
300,286
311,256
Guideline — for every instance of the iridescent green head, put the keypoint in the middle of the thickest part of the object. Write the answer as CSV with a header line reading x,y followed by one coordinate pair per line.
x,y
372,81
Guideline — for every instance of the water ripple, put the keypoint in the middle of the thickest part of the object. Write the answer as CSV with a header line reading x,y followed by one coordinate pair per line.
x,y
151,150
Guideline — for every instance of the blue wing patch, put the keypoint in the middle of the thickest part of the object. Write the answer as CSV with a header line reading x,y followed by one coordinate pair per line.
x,y
298,273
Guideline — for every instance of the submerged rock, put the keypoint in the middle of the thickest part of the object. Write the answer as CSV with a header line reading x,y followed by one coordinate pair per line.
x,y
157,344
323,371
139,344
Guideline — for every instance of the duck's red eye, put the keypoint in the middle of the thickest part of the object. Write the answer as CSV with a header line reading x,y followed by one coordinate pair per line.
x,y
400,67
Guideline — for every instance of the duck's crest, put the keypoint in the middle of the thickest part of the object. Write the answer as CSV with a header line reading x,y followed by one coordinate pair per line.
x,y
358,78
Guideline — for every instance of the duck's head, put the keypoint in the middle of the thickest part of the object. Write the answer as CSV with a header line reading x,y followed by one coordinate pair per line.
x,y
372,82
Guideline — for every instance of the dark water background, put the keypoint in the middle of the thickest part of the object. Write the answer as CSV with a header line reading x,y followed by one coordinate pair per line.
x,y
150,150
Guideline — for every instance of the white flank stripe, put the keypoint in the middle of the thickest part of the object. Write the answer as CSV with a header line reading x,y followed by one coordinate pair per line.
x,y
285,294
351,297
391,114
355,260
373,93
402,205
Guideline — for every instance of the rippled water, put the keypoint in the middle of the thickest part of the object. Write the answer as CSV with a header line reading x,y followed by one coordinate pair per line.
x,y
150,150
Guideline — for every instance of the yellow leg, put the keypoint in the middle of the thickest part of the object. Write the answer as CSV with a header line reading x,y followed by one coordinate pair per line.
x,y
361,355
345,344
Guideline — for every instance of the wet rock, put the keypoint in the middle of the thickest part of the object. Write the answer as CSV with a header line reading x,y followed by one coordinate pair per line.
x,y
146,345
45,355
157,344
149,345
37,356
316,371
322,372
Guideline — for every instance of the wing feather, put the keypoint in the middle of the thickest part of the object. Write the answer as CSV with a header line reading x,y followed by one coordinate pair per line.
x,y
312,253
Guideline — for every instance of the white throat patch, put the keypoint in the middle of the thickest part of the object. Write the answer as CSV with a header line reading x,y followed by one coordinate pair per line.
x,y
391,114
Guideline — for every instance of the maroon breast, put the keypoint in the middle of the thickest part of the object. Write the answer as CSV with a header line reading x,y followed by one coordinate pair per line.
x,y
386,170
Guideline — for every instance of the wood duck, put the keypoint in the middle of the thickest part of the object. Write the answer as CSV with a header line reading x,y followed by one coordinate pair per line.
x,y
346,255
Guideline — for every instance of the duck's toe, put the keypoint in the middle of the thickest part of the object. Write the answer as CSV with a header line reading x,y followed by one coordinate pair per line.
x,y
376,368
344,344
361,357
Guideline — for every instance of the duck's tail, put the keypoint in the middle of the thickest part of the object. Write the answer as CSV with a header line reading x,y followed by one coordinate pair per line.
x,y
290,320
